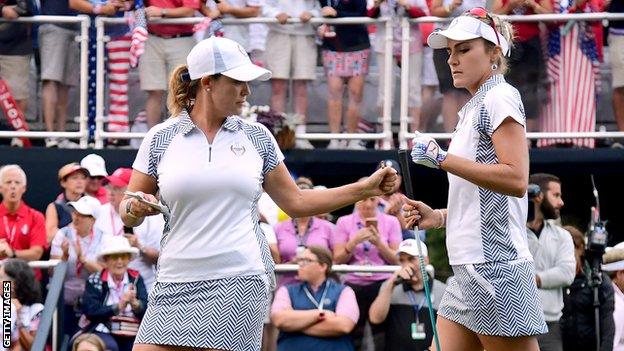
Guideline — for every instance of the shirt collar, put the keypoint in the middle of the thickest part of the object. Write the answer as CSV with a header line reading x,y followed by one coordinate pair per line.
x,y
231,123
21,210
483,89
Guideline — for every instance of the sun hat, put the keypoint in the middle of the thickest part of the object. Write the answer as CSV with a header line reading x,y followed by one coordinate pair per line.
x,y
225,56
71,168
116,244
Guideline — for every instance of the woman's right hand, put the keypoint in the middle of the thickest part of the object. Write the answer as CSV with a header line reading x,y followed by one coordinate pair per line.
x,y
139,209
417,211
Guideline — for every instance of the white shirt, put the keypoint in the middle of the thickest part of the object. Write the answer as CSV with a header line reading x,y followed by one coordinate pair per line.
x,y
618,317
212,192
553,253
293,8
148,235
239,32
484,226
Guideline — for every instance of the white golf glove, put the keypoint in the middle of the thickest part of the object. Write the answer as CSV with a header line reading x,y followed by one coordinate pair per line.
x,y
427,152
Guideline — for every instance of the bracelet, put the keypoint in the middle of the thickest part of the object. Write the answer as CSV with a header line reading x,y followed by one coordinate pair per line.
x,y
442,222
447,8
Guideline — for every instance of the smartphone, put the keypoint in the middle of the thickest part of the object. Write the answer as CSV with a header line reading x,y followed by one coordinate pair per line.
x,y
371,222
128,230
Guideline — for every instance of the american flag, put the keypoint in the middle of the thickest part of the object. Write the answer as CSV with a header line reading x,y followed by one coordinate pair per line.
x,y
572,68
139,33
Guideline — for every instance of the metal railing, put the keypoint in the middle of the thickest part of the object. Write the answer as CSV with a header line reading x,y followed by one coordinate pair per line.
x,y
405,135
83,133
385,135
52,316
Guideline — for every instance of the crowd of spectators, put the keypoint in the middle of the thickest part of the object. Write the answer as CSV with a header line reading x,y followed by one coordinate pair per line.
x,y
111,269
291,51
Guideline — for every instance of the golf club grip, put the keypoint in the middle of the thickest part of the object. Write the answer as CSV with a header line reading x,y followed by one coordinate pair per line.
x,y
405,172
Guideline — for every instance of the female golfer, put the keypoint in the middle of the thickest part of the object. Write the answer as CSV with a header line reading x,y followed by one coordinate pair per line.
x,y
209,168
492,302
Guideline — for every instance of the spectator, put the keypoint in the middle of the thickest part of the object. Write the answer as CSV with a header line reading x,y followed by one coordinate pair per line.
x,y
59,54
402,309
88,342
573,52
26,299
319,312
553,253
369,238
166,48
294,235
23,232
16,50
616,57
396,11
78,245
346,57
115,298
239,9
578,322
452,98
73,179
291,54
145,237
526,64
96,166
118,58
430,103
614,267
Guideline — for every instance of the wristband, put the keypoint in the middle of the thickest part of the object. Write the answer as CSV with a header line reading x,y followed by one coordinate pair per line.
x,y
163,13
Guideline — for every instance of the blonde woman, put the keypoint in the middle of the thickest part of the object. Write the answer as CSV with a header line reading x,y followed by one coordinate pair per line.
x,y
492,303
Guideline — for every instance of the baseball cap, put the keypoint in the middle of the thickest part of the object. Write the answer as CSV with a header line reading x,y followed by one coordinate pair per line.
x,y
225,56
71,168
464,28
120,178
391,163
95,165
410,247
86,205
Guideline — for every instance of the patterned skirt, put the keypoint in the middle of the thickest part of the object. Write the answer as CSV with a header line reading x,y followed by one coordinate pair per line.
x,y
346,64
225,314
495,298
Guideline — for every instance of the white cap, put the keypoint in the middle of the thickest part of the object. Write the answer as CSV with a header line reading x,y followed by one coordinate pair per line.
x,y
221,55
86,205
464,28
116,244
410,247
95,165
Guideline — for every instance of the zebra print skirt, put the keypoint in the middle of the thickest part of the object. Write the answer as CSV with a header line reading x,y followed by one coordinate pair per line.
x,y
495,298
225,314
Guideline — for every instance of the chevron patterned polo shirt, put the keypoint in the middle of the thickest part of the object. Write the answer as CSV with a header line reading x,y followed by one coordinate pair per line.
x,y
211,191
482,225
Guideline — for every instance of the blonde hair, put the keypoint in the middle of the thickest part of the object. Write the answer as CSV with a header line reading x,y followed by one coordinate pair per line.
x,y
91,339
503,28
182,92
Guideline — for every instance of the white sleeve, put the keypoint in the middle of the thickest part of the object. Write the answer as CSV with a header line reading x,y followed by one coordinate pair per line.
x,y
55,246
142,160
501,102
270,8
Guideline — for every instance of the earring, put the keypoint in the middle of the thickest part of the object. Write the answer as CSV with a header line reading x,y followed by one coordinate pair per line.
x,y
494,67
207,89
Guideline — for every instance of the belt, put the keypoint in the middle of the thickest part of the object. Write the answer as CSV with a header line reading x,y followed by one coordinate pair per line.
x,y
183,35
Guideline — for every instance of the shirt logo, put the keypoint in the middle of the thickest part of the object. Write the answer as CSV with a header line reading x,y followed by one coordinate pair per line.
x,y
237,149
25,229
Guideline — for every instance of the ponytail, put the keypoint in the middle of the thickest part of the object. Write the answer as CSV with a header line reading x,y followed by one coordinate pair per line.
x,y
182,91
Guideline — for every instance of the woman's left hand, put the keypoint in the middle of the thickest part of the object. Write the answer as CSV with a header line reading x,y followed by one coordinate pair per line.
x,y
381,182
427,152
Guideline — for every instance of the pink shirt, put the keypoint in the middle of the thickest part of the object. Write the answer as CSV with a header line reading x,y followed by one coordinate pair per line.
x,y
320,233
346,306
366,253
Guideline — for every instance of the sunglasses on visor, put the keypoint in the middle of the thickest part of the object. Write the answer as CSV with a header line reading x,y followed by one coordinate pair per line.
x,y
482,13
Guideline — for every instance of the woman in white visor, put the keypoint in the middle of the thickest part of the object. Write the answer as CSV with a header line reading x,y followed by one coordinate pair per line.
x,y
492,301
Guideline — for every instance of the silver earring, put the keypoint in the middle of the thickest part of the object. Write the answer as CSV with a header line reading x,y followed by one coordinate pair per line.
x,y
494,67
207,89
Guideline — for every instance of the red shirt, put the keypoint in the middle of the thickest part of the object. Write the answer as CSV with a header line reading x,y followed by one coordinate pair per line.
x,y
171,29
23,229
101,195
524,30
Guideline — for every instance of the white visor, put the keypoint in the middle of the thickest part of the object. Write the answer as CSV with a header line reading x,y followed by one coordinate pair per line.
x,y
465,28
